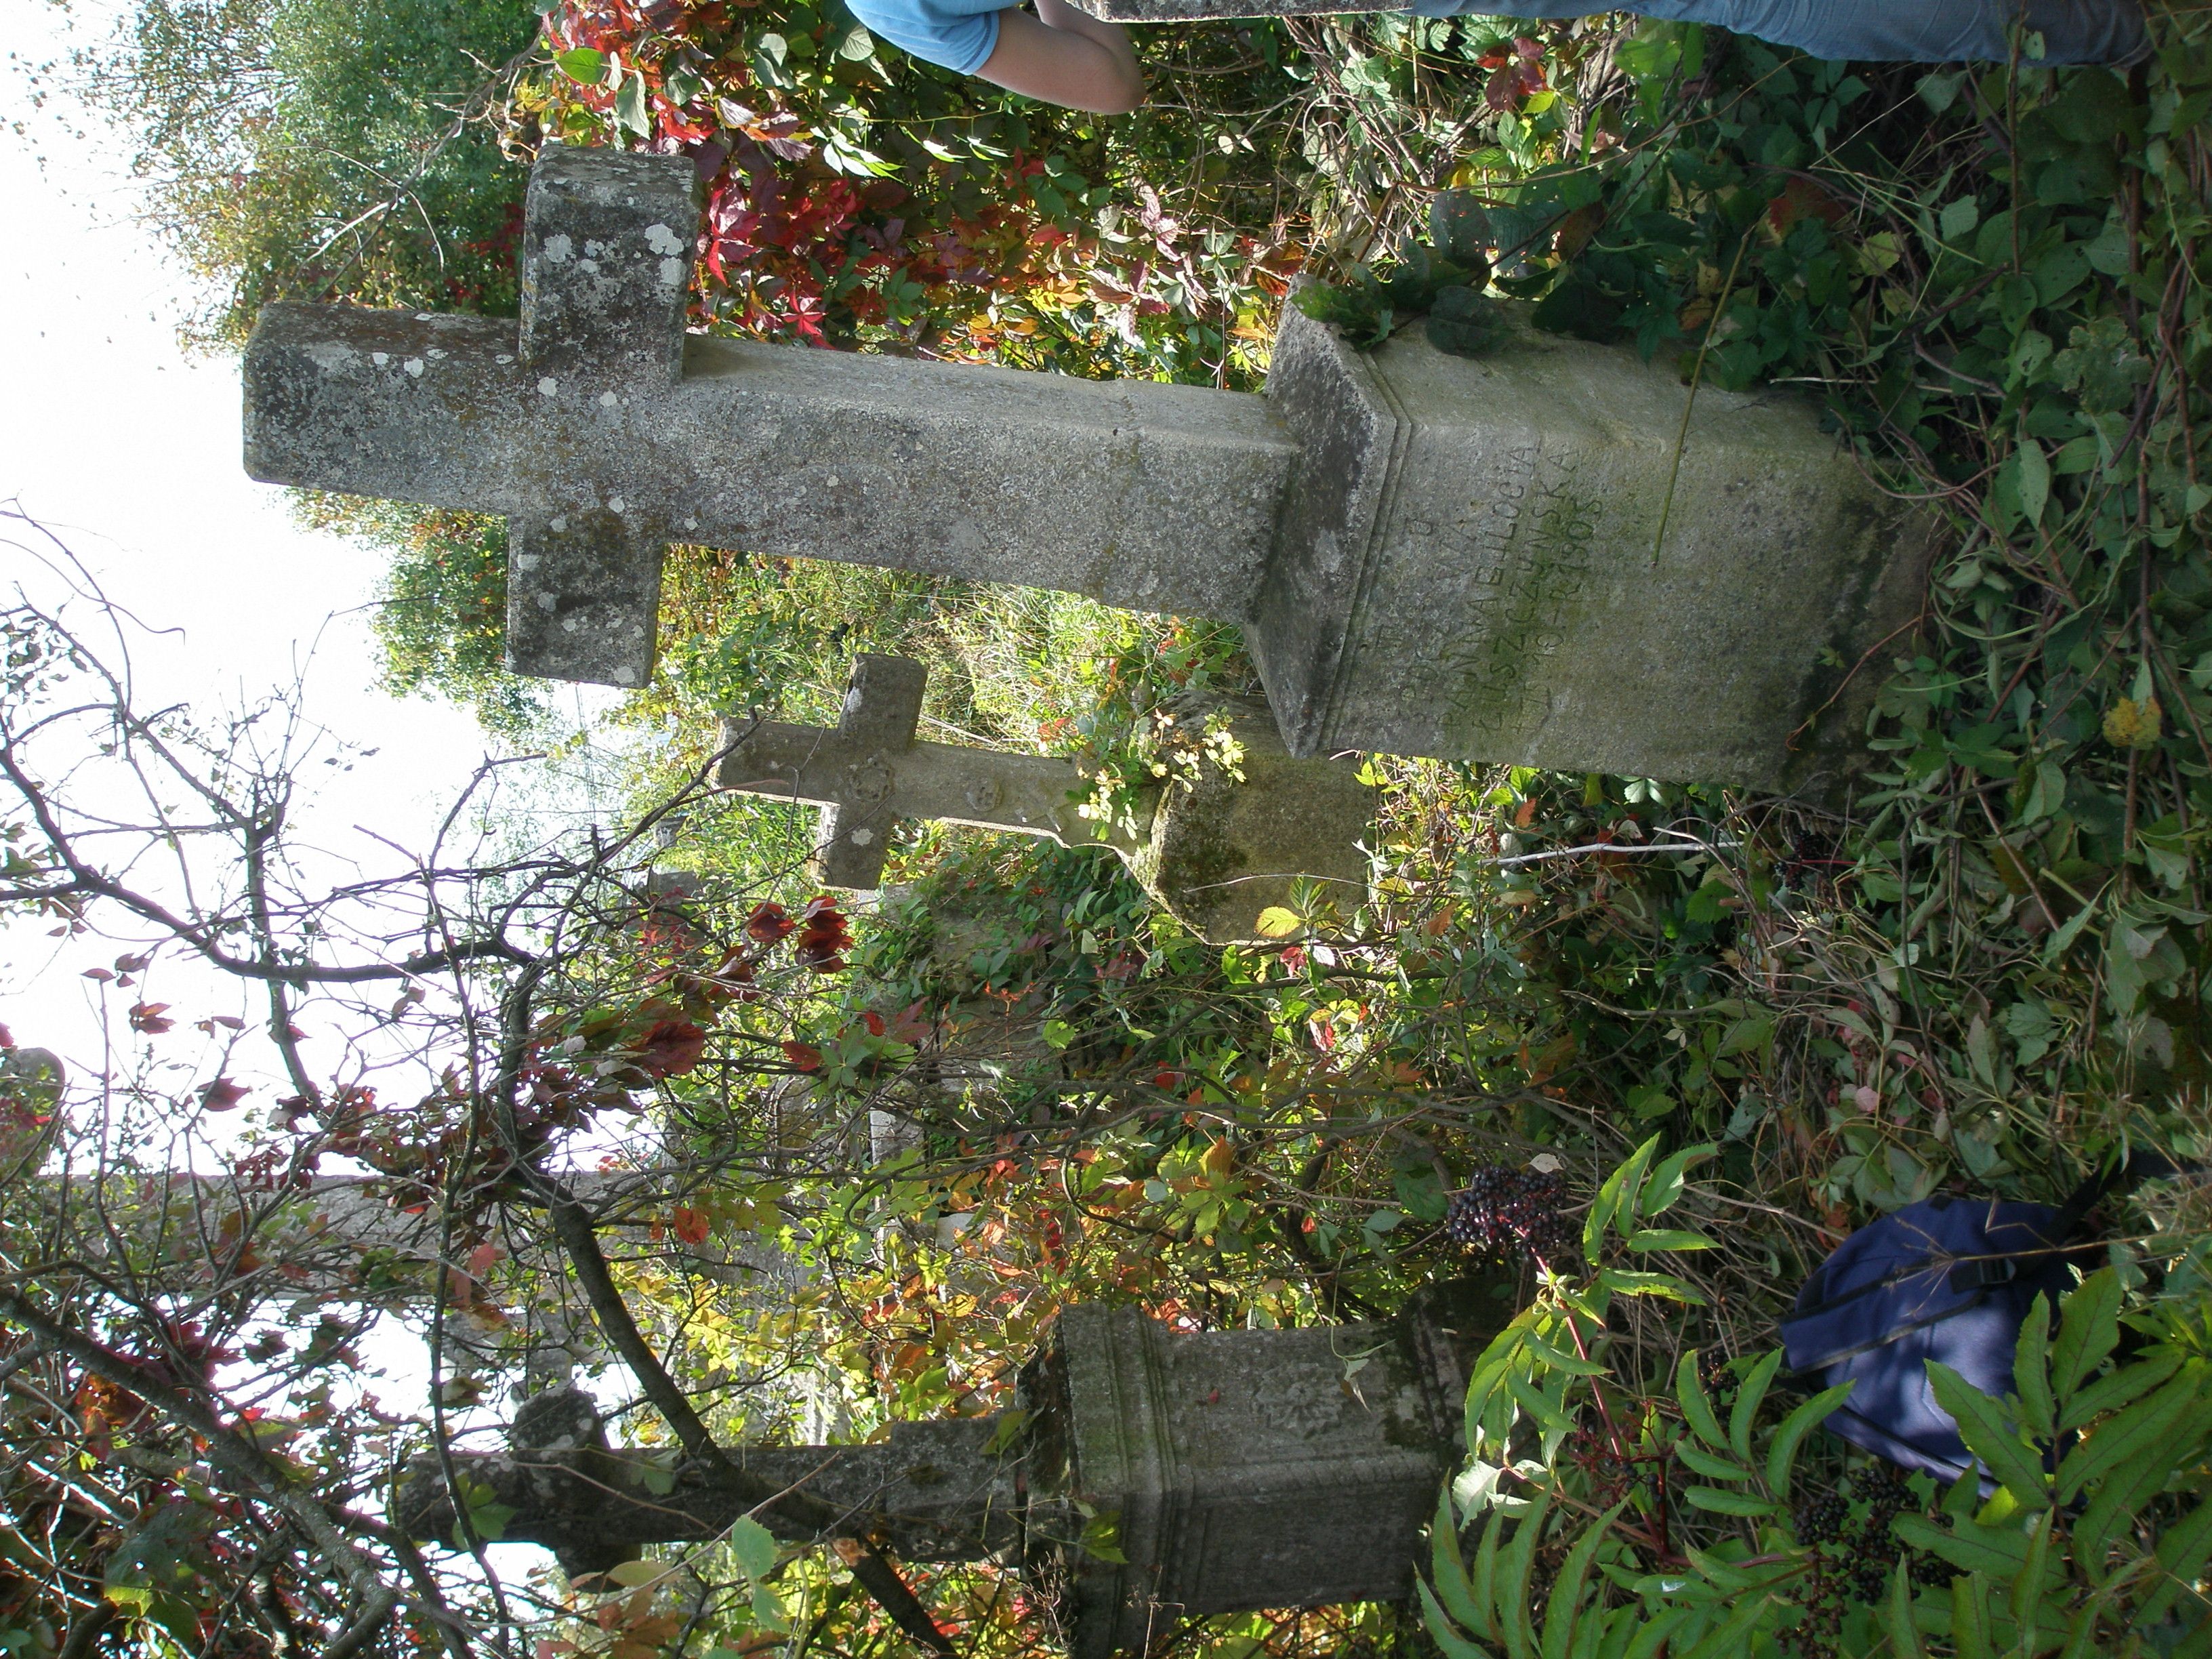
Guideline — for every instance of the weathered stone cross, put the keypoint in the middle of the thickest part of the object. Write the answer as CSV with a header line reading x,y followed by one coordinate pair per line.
x,y
603,432
871,771
1144,1477
1554,555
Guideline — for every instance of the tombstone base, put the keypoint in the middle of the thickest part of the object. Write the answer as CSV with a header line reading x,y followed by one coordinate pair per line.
x,y
1237,1470
1500,559
1223,849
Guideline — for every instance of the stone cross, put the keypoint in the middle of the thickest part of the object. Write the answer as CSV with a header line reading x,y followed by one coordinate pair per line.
x,y
872,770
603,431
1143,1477
1554,555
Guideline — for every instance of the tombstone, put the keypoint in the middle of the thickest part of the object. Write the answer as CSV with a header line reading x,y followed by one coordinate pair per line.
x,y
1229,1471
1216,853
1428,554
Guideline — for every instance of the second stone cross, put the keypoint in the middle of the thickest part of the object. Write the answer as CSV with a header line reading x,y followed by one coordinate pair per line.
x,y
1216,848
1551,556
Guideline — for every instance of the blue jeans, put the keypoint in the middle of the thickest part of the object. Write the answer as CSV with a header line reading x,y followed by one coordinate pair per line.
x,y
1867,31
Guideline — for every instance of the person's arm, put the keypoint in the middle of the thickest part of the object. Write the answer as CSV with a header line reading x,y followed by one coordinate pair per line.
x,y
1067,57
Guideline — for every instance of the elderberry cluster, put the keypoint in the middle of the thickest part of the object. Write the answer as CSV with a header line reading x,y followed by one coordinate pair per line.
x,y
1849,1526
1508,1215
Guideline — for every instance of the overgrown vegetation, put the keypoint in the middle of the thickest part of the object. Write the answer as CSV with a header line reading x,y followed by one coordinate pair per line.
x,y
1986,977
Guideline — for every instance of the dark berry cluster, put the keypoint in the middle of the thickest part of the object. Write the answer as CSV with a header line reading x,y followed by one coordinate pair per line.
x,y
1507,1215
1849,1526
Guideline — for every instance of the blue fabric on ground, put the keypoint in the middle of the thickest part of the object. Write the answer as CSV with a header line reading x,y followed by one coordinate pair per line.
x,y
1949,1279
1878,30
961,34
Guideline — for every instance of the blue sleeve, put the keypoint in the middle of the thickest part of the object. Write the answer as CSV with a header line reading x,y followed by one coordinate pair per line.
x,y
961,42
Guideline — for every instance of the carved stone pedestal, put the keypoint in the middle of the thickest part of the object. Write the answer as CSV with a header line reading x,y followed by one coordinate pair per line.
x,y
1233,1470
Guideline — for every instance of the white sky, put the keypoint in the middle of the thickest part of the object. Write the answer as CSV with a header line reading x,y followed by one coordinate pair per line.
x,y
129,450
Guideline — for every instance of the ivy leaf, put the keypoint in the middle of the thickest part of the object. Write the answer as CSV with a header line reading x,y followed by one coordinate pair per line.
x,y
629,106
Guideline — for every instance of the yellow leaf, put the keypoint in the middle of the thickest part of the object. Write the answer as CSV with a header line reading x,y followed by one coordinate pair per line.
x,y
1276,923
633,1575
2132,725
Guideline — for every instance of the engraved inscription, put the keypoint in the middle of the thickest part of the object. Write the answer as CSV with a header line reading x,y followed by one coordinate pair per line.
x,y
1529,582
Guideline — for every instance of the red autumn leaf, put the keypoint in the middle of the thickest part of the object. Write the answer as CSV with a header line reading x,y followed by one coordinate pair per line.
x,y
874,1022
147,1017
100,974
692,1225
804,1055
222,1095
769,923
131,964
672,1048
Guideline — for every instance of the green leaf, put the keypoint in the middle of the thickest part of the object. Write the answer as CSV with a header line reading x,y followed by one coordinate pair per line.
x,y
1969,1616
2034,479
1731,1503
1276,923
1728,1638
1564,1607
1665,1186
1982,1427
1669,1238
1623,1283
1897,1615
2183,1551
629,106
1513,1581
1705,1463
1782,1453
1540,1406
582,64
1959,218
753,1546
1657,1633
2146,1423
1998,1552
1697,1406
1057,1033
1449,1569
1483,1585
2088,1329
1623,1185
2109,1394
1747,1401
2122,1494
1455,1645
1101,1538
2031,1372
1560,1360
2028,1583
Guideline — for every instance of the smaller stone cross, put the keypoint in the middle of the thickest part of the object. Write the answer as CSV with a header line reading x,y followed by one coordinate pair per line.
x,y
871,771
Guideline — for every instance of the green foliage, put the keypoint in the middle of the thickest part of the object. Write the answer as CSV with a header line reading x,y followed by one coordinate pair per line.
x,y
1664,1513
1443,278
327,149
